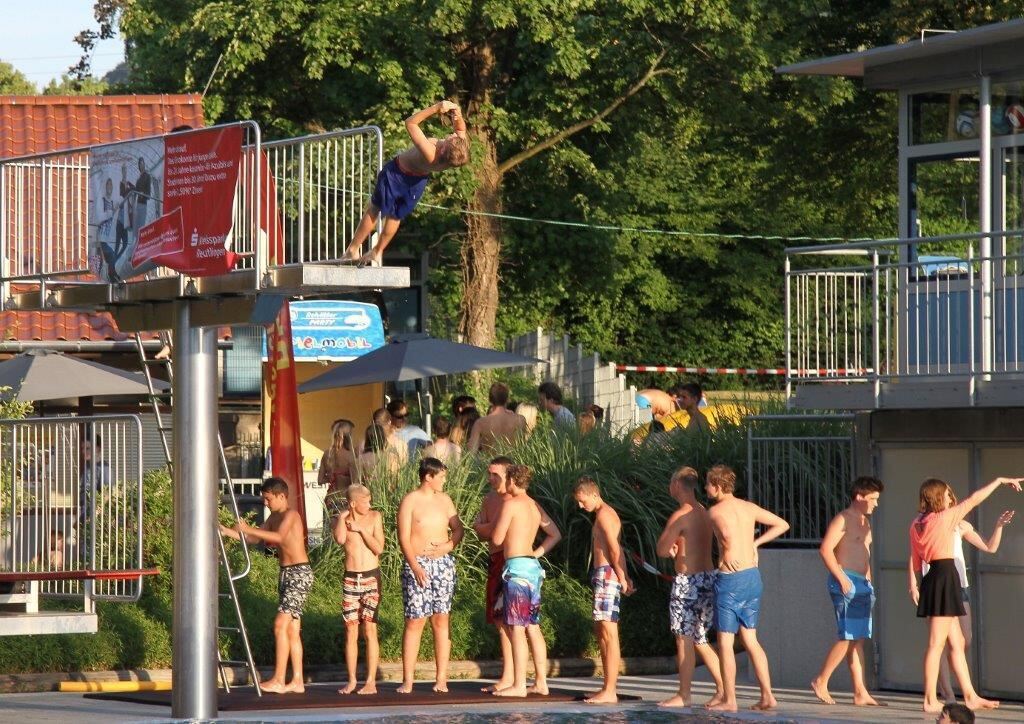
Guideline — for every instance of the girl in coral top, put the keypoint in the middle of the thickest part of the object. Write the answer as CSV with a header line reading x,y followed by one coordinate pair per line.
x,y
940,598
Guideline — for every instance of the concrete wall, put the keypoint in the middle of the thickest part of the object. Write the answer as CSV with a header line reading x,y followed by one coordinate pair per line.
x,y
797,626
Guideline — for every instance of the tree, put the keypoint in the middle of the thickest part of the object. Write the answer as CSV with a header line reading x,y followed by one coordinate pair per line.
x,y
14,82
69,85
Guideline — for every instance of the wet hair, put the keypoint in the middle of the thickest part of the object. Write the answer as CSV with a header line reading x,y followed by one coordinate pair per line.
x,y
501,460
430,466
519,475
456,150
722,477
498,394
586,486
958,713
865,485
687,477
461,403
932,497
375,439
551,391
357,491
274,486
442,427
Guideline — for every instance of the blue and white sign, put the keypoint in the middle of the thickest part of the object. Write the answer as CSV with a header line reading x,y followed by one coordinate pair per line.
x,y
336,331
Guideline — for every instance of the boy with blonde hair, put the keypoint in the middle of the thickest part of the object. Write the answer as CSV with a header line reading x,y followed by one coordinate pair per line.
x,y
361,531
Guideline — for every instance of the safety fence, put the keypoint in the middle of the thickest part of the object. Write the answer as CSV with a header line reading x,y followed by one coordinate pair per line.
x,y
71,502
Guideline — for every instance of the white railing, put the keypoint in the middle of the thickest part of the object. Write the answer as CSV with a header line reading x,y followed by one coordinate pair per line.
x,y
943,306
71,501
317,187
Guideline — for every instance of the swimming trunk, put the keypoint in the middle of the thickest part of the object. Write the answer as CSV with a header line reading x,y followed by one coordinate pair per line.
x,y
523,578
495,586
396,192
691,605
436,596
607,594
293,584
737,600
853,610
361,596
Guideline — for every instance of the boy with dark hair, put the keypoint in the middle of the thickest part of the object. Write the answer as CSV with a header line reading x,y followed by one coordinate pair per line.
x,y
846,551
515,532
499,424
688,399
549,396
462,403
610,582
428,530
283,529
401,182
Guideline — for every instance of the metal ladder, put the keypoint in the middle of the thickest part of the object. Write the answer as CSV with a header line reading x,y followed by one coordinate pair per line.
x,y
155,399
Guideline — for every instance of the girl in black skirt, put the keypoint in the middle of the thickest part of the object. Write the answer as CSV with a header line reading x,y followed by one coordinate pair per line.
x,y
940,598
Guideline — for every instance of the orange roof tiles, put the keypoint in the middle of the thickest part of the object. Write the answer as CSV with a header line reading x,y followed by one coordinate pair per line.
x,y
39,124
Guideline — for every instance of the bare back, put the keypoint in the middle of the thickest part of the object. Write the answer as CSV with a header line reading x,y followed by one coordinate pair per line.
x,y
491,509
495,427
733,523
292,549
853,551
358,557
690,529
429,516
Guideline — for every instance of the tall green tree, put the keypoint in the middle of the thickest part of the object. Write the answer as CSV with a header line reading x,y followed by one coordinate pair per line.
x,y
14,82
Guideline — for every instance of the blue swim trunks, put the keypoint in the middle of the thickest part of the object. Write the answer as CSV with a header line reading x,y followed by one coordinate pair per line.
x,y
436,596
396,192
737,600
523,578
853,611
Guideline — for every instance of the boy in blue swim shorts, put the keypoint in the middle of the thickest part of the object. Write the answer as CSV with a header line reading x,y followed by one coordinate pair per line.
x,y
610,582
738,583
846,551
401,182
515,531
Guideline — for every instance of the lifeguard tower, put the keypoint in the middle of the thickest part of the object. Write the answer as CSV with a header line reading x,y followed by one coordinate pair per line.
x,y
921,336
287,208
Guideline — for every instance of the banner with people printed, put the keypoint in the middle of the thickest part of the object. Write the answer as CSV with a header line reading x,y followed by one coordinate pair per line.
x,y
164,202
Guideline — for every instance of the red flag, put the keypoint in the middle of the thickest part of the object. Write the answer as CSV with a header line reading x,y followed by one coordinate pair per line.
x,y
285,440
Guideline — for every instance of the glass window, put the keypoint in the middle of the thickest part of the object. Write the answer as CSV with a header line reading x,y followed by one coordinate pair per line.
x,y
941,116
243,369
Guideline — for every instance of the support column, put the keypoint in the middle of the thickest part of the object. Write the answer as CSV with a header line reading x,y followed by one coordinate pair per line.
x,y
985,219
194,638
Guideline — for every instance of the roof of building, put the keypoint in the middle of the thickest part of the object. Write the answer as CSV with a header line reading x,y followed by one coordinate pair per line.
x,y
989,49
39,124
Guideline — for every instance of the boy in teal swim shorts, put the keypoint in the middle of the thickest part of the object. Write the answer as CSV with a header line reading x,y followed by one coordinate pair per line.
x,y
846,551
515,531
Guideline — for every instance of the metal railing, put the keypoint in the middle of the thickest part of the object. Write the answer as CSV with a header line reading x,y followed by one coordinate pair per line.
x,y
305,195
71,501
800,468
911,308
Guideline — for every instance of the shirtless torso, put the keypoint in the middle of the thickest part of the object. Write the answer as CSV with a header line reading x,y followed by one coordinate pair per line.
x,y
358,530
687,539
292,548
490,509
498,425
853,550
606,548
425,518
733,521
523,521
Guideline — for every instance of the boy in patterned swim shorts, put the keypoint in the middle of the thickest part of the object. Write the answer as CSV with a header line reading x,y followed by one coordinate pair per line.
x,y
361,531
428,530
283,529
610,582
691,607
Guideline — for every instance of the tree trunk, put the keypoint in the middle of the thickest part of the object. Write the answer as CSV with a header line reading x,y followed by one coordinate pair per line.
x,y
481,250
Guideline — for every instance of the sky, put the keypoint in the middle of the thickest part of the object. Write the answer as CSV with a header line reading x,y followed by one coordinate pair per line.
x,y
37,38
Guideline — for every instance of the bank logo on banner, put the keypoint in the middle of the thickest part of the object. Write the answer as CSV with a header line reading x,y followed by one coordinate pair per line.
x,y
164,202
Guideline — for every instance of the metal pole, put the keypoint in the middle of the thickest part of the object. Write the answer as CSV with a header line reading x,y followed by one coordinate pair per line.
x,y
876,350
194,654
789,333
985,218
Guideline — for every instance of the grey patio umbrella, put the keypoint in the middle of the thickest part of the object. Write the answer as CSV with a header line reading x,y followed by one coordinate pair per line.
x,y
412,360
47,375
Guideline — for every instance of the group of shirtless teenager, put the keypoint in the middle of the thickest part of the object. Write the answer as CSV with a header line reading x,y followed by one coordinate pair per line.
x,y
726,597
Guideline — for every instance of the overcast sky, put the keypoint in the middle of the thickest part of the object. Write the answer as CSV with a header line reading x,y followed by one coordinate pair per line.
x,y
37,38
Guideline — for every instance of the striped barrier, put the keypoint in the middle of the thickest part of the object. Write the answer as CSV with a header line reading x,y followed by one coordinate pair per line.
x,y
752,371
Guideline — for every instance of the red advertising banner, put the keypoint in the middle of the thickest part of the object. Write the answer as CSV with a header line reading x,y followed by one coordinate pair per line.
x,y
285,437
164,202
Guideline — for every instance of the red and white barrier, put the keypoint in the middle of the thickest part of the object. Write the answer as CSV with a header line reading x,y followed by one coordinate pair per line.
x,y
756,372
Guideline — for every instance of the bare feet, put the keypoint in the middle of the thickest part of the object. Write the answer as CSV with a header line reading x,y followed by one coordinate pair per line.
x,y
931,707
602,697
274,687
724,705
441,687
538,689
370,687
821,691
499,684
296,687
765,703
405,688
677,700
866,699
348,688
369,259
978,703
519,691
715,700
